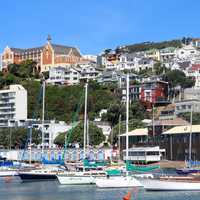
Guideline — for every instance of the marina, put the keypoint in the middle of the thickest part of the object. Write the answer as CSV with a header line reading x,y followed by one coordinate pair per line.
x,y
100,100
15,190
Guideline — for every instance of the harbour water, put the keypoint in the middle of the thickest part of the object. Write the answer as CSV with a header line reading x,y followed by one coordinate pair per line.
x,y
15,190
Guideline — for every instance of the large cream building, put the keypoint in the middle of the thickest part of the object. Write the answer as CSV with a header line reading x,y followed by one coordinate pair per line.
x,y
47,56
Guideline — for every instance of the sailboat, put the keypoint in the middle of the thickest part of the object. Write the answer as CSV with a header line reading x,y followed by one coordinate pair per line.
x,y
121,181
173,183
84,177
45,172
192,167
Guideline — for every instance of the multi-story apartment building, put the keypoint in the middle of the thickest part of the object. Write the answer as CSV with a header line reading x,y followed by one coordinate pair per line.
x,y
47,56
13,106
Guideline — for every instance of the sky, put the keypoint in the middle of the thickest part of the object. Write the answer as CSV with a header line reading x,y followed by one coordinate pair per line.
x,y
94,25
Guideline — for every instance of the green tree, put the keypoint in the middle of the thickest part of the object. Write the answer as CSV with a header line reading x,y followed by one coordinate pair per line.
x,y
18,137
195,117
159,68
137,111
113,113
178,78
133,124
76,135
26,69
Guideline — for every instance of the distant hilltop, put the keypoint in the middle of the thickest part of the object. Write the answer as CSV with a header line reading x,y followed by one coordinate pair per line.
x,y
144,46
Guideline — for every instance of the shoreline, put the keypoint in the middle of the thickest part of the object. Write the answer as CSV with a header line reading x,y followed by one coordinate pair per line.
x,y
164,164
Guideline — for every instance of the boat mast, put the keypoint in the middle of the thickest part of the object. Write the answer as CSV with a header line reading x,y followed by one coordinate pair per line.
x,y
87,133
119,133
43,108
190,138
127,118
30,142
85,122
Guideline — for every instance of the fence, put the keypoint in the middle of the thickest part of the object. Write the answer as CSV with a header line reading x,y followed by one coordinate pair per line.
x,y
56,154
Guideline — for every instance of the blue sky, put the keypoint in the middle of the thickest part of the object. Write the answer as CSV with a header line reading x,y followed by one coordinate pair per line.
x,y
93,25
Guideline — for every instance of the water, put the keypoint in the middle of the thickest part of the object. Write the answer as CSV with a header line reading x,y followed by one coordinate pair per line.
x,y
15,190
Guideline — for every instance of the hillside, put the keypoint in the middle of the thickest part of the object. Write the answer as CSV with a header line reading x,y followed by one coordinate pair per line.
x,y
61,102
153,45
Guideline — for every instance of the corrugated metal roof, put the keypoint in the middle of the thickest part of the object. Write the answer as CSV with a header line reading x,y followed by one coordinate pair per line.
x,y
182,130
137,132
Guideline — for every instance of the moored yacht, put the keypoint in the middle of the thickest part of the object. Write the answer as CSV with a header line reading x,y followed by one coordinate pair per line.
x,y
170,183
40,174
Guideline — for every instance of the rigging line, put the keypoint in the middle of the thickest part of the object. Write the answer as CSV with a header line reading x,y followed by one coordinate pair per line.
x,y
34,115
74,123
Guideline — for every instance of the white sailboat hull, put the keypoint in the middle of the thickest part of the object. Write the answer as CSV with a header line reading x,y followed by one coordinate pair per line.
x,y
76,180
169,185
8,173
118,182
80,178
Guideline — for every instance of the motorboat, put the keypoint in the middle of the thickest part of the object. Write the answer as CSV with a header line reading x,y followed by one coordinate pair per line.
x,y
170,183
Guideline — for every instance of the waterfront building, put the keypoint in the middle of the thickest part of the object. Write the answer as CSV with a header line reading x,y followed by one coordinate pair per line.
x,y
177,142
46,56
137,137
144,154
13,106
